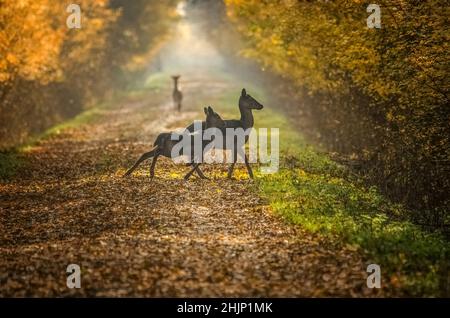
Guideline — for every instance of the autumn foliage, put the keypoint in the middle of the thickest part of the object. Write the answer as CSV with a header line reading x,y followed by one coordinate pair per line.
x,y
49,72
377,96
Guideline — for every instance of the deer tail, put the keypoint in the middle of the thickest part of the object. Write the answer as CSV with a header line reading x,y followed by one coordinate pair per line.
x,y
144,157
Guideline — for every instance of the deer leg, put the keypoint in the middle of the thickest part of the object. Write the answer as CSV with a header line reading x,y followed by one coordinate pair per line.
x,y
145,156
197,168
200,173
249,169
152,167
231,168
190,173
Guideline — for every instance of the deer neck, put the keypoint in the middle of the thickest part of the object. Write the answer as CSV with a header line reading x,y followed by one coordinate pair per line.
x,y
175,83
246,117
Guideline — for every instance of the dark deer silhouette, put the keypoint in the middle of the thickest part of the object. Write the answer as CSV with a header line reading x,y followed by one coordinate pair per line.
x,y
164,145
177,95
246,104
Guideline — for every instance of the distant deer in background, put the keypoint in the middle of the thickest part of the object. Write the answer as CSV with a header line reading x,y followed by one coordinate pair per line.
x,y
177,95
164,145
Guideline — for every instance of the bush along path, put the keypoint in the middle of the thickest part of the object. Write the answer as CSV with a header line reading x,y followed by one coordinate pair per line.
x,y
309,230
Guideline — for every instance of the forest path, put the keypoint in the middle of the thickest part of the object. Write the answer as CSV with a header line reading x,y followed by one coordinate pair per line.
x,y
166,237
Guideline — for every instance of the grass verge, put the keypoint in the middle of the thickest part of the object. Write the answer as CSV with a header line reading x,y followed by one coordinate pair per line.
x,y
11,160
324,197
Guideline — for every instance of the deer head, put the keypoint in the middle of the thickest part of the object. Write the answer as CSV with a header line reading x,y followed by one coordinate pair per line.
x,y
246,101
213,120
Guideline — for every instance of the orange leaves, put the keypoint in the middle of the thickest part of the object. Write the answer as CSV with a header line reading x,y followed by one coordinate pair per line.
x,y
133,237
38,48
29,43
34,34
305,40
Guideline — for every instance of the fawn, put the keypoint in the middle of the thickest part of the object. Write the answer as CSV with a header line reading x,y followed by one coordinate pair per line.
x,y
177,95
246,104
164,145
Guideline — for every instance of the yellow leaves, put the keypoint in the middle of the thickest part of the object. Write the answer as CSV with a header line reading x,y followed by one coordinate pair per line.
x,y
352,247
307,41
176,175
275,39
11,58
28,39
389,116
34,33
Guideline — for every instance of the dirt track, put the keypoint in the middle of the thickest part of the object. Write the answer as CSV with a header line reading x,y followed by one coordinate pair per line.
x,y
133,237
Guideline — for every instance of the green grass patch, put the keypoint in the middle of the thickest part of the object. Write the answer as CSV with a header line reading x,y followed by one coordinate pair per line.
x,y
84,118
13,159
325,198
10,161
157,81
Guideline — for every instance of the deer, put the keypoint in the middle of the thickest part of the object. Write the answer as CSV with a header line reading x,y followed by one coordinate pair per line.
x,y
176,94
246,104
164,144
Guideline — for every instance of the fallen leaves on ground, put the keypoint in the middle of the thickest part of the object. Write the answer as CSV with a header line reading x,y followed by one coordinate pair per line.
x,y
166,237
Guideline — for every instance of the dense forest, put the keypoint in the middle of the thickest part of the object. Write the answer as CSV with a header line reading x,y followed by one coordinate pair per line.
x,y
377,97
49,72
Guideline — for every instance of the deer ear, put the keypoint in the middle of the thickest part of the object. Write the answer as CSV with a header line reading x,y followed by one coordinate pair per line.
x,y
244,92
206,111
210,110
